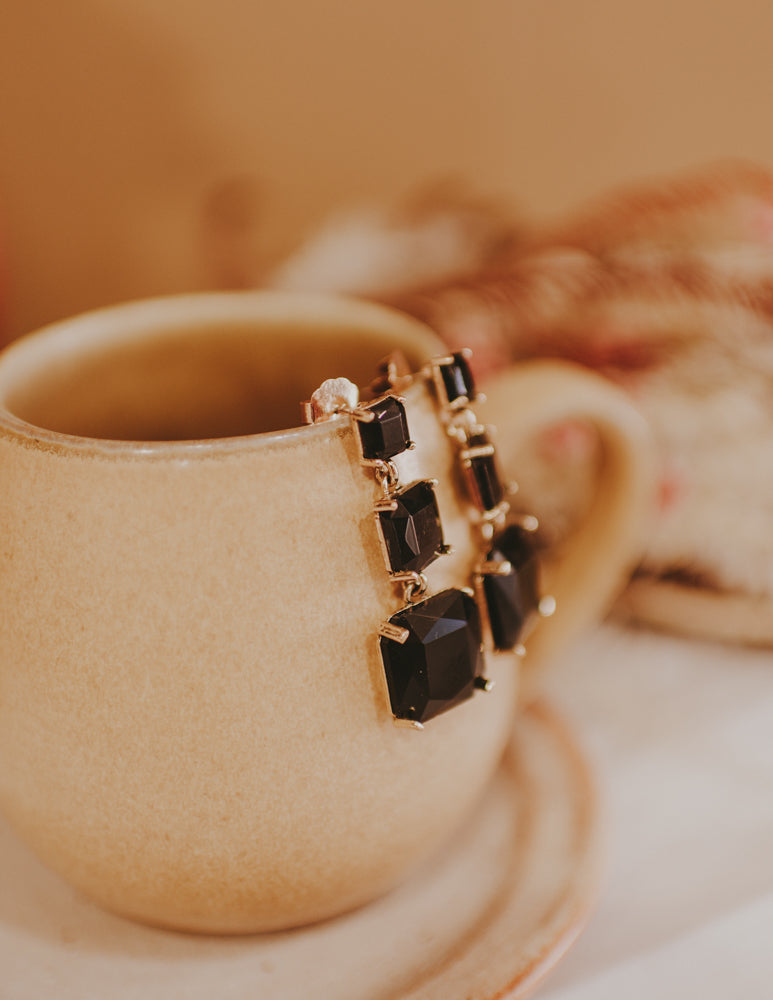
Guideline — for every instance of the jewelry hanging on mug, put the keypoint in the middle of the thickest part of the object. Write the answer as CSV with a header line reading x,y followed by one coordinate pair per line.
x,y
432,649
506,577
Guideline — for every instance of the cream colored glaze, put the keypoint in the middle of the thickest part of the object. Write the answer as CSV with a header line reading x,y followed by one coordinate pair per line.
x,y
194,728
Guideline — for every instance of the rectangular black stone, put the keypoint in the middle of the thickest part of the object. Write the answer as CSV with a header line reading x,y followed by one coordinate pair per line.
x,y
457,379
487,486
512,599
482,468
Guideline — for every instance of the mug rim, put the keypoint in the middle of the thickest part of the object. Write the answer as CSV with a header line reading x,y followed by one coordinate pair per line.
x,y
175,312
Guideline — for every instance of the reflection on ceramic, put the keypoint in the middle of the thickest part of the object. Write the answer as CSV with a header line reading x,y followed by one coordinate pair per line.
x,y
487,919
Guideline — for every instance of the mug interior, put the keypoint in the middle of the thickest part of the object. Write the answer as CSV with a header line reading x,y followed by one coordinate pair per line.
x,y
199,378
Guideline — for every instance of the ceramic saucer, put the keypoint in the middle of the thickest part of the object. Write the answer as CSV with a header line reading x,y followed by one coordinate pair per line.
x,y
704,614
486,919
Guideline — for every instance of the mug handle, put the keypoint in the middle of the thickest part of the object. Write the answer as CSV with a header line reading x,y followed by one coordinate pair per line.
x,y
596,559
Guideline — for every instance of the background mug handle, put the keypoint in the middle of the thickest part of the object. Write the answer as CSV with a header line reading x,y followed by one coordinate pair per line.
x,y
595,559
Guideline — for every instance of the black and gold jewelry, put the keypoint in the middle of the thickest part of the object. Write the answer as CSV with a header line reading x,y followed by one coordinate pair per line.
x,y
506,577
432,649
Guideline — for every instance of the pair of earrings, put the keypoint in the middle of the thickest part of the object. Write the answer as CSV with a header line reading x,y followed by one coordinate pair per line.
x,y
433,648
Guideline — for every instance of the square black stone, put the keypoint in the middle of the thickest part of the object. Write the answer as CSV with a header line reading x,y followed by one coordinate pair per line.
x,y
437,665
387,434
512,599
457,379
412,533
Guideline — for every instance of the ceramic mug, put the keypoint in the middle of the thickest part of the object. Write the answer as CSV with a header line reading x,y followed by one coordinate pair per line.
x,y
194,729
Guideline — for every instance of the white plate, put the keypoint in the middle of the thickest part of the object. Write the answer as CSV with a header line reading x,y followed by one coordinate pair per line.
x,y
491,915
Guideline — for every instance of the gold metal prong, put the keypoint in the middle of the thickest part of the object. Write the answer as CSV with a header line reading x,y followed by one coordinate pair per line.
x,y
468,591
362,415
407,723
492,568
394,632
406,576
445,359
519,650
484,684
394,371
382,506
498,513
411,446
547,606
445,550
479,451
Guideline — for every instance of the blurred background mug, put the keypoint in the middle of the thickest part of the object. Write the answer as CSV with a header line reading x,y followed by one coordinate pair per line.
x,y
194,725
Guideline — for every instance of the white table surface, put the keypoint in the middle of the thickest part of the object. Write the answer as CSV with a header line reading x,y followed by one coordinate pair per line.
x,y
681,736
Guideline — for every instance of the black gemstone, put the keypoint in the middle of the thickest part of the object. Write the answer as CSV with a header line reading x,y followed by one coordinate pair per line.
x,y
437,665
512,599
457,379
387,434
412,533
486,485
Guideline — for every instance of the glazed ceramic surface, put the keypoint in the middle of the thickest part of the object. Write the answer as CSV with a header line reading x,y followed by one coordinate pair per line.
x,y
194,726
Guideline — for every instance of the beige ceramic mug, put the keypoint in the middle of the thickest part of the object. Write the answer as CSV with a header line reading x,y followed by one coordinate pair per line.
x,y
194,728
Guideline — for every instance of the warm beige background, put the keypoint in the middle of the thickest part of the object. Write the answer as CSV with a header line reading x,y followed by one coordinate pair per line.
x,y
149,147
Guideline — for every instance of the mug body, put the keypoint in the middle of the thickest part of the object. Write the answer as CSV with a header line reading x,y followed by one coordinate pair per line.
x,y
194,724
